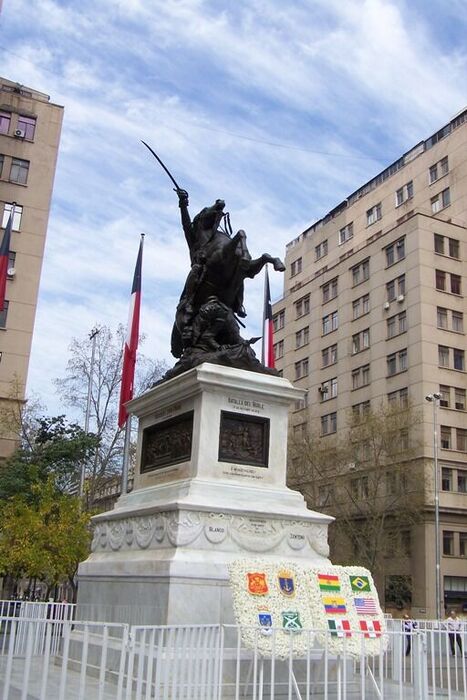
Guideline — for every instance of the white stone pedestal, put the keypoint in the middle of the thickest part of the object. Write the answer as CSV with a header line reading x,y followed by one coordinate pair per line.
x,y
209,488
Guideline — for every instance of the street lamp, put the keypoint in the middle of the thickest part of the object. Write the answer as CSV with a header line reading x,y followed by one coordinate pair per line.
x,y
435,399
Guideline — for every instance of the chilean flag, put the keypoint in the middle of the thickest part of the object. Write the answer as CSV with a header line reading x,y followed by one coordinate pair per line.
x,y
267,355
4,257
131,342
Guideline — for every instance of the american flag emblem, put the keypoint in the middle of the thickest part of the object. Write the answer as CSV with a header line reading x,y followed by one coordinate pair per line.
x,y
365,606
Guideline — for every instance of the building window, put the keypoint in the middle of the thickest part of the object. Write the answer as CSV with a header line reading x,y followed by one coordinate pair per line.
x,y
395,288
361,306
328,389
396,362
5,121
302,306
439,244
321,250
329,424
441,317
4,314
445,392
360,272
360,341
404,193
458,321
296,267
396,324
360,376
446,443
374,214
455,284
19,171
278,320
462,481
461,439
301,368
329,355
448,542
329,290
458,357
16,217
302,337
463,544
438,170
459,399
2,159
453,248
330,322
446,479
346,233
300,404
440,201
360,409
28,126
278,349
11,264
443,356
395,252
399,398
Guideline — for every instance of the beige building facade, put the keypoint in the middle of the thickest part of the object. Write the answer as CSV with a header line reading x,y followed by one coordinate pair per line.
x,y
374,312
30,127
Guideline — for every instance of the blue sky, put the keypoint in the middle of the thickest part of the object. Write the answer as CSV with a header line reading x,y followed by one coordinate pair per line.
x,y
280,108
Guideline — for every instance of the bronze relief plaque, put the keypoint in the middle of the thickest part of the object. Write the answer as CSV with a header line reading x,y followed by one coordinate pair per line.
x,y
167,443
244,439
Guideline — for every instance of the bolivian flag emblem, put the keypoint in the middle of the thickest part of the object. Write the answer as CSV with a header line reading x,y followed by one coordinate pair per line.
x,y
329,582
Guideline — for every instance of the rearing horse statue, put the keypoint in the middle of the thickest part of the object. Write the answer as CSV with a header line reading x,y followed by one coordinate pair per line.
x,y
212,298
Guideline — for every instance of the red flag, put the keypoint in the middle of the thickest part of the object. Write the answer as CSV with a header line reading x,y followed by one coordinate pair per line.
x,y
131,342
4,257
267,355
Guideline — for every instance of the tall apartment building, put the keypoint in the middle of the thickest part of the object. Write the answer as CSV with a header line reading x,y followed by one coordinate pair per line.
x,y
30,128
374,311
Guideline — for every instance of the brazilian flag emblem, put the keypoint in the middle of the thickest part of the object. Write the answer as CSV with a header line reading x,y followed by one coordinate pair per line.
x,y
360,584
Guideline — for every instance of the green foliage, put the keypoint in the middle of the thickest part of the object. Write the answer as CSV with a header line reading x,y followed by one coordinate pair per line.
x,y
53,448
45,539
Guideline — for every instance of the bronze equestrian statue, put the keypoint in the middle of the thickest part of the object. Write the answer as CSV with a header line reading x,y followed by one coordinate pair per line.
x,y
207,319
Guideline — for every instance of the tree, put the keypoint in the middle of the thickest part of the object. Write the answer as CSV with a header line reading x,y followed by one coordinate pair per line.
x,y
45,539
50,447
105,390
369,479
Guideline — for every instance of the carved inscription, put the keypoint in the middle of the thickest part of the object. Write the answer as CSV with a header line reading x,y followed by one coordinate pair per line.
x,y
244,439
167,443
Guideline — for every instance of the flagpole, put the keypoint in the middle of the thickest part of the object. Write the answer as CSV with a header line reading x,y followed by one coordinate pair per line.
x,y
126,456
265,301
127,440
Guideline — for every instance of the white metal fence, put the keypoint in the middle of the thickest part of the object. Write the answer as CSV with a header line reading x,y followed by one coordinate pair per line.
x,y
45,654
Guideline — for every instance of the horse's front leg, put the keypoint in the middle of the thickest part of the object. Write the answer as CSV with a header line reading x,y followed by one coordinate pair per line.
x,y
252,267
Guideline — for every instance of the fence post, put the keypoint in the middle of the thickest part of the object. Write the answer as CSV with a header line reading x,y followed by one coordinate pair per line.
x,y
420,665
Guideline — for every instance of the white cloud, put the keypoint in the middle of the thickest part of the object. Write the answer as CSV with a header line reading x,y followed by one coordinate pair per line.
x,y
361,80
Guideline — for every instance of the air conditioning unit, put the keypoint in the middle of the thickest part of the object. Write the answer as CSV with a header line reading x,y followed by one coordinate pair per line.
x,y
444,403
11,272
460,406
20,133
400,298
386,305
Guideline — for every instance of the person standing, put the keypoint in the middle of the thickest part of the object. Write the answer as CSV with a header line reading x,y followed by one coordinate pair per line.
x,y
454,626
409,626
